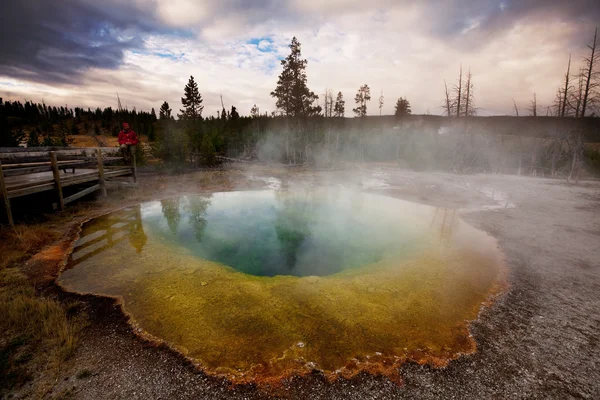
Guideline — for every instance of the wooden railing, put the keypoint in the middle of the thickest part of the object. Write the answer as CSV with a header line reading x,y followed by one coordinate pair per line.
x,y
24,171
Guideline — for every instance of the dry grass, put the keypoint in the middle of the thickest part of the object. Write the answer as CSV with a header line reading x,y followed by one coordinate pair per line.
x,y
37,334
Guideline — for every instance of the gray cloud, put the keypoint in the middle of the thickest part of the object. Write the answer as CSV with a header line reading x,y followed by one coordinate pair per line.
x,y
55,41
452,19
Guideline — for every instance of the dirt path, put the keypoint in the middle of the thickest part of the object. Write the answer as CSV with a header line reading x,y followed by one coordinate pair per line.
x,y
539,340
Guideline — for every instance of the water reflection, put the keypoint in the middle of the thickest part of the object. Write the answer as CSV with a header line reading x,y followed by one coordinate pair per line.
x,y
443,223
294,223
196,207
101,237
171,209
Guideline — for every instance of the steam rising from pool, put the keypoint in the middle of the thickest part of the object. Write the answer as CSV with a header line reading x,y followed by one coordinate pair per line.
x,y
261,285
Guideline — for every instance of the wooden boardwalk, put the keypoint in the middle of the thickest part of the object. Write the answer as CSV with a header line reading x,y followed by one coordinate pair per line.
x,y
25,171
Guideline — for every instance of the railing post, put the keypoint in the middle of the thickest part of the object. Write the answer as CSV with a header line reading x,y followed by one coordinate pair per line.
x,y
101,172
132,150
4,193
56,174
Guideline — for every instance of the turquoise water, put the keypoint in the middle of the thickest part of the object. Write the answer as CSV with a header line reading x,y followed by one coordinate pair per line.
x,y
266,233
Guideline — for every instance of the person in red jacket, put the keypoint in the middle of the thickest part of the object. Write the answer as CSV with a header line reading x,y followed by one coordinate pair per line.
x,y
127,140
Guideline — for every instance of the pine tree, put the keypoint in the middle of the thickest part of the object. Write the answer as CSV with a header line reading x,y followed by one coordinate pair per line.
x,y
33,140
293,96
234,115
165,111
362,96
207,149
402,108
340,106
192,102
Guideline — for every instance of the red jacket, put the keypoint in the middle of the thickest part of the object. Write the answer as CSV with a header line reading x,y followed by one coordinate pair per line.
x,y
128,137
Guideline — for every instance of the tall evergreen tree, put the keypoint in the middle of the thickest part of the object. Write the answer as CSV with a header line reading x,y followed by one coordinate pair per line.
x,y
165,111
33,140
402,108
293,96
362,96
340,106
192,102
234,115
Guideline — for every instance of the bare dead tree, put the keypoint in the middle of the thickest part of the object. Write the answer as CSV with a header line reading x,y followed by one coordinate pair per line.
x,y
516,108
458,91
565,91
590,76
380,103
557,106
447,102
577,96
533,107
328,103
468,100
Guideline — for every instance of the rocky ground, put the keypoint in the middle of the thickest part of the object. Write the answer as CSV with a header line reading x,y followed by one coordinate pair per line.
x,y
538,340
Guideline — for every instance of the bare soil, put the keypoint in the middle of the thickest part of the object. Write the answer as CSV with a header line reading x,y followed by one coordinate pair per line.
x,y
540,339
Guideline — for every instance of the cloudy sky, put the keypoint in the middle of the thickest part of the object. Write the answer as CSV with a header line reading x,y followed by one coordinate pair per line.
x,y
82,52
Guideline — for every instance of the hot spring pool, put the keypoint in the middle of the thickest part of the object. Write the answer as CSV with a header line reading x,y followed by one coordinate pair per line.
x,y
265,284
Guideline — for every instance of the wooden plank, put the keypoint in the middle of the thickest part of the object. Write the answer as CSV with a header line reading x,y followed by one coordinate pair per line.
x,y
113,174
62,150
25,171
101,172
17,186
30,190
48,163
56,174
91,174
77,179
121,184
81,194
4,193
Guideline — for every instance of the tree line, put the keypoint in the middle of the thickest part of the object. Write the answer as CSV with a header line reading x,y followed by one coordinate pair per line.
x,y
36,124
